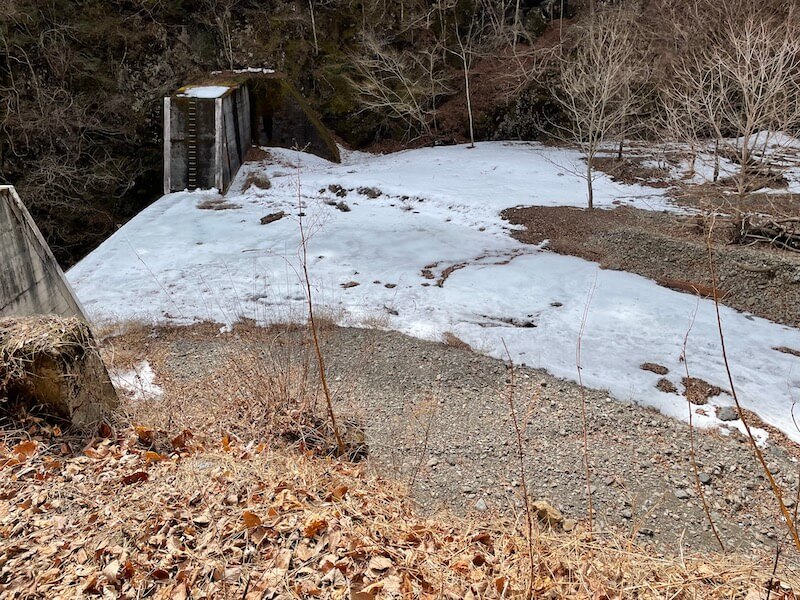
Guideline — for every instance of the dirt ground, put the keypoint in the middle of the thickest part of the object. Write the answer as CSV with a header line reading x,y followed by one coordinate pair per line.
x,y
438,417
672,250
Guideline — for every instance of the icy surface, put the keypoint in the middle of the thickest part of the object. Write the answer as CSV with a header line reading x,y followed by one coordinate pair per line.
x,y
205,91
431,255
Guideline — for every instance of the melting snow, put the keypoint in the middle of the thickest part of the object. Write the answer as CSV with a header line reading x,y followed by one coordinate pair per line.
x,y
431,255
139,382
207,91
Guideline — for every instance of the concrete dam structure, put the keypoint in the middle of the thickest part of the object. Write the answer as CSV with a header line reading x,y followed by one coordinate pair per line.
x,y
210,127
206,136
31,282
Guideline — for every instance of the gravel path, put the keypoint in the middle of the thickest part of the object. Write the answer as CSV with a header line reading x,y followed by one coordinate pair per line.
x,y
665,247
438,416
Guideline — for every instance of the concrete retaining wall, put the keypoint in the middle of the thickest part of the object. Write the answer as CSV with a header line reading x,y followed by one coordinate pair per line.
x,y
31,282
281,117
233,133
205,139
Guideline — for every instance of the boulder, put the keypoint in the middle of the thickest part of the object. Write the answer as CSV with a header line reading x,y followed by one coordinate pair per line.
x,y
54,363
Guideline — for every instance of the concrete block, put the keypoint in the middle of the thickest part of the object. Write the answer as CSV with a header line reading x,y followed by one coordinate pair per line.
x,y
31,282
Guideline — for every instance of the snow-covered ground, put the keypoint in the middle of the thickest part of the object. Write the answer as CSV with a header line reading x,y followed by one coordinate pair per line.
x,y
437,216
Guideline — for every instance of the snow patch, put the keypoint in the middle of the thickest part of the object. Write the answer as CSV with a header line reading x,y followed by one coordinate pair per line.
x,y
204,91
424,241
139,382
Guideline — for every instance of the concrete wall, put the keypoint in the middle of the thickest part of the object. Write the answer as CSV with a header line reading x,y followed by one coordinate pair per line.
x,y
234,134
190,142
281,117
31,282
205,139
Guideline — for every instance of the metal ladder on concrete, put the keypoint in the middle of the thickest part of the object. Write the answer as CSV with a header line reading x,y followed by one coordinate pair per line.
x,y
191,143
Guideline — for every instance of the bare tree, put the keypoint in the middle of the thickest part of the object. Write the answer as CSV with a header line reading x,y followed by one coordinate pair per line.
x,y
221,12
404,84
602,81
741,89
467,49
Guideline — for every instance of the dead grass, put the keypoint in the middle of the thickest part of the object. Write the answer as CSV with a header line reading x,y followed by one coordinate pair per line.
x,y
631,171
222,518
203,493
25,340
654,368
451,339
698,391
258,180
267,389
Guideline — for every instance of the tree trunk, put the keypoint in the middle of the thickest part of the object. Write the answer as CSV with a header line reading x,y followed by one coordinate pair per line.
x,y
589,182
744,159
313,26
469,104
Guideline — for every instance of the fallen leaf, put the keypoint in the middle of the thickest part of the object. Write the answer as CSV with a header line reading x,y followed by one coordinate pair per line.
x,y
151,456
105,430
90,586
251,519
501,584
128,570
146,435
202,520
379,563
25,450
181,441
314,525
138,477
338,492
111,571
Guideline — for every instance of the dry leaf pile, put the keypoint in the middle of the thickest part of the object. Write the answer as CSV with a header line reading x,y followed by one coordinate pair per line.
x,y
225,519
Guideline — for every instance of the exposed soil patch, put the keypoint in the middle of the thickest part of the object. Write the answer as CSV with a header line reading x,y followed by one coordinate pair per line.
x,y
217,204
670,249
786,350
654,368
666,386
698,391
720,197
632,171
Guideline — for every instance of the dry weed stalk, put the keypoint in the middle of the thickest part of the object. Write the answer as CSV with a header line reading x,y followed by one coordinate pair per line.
x,y
692,450
529,522
791,524
584,424
313,324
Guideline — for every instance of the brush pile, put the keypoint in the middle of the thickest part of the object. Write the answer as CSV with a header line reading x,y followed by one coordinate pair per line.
x,y
782,233
54,362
